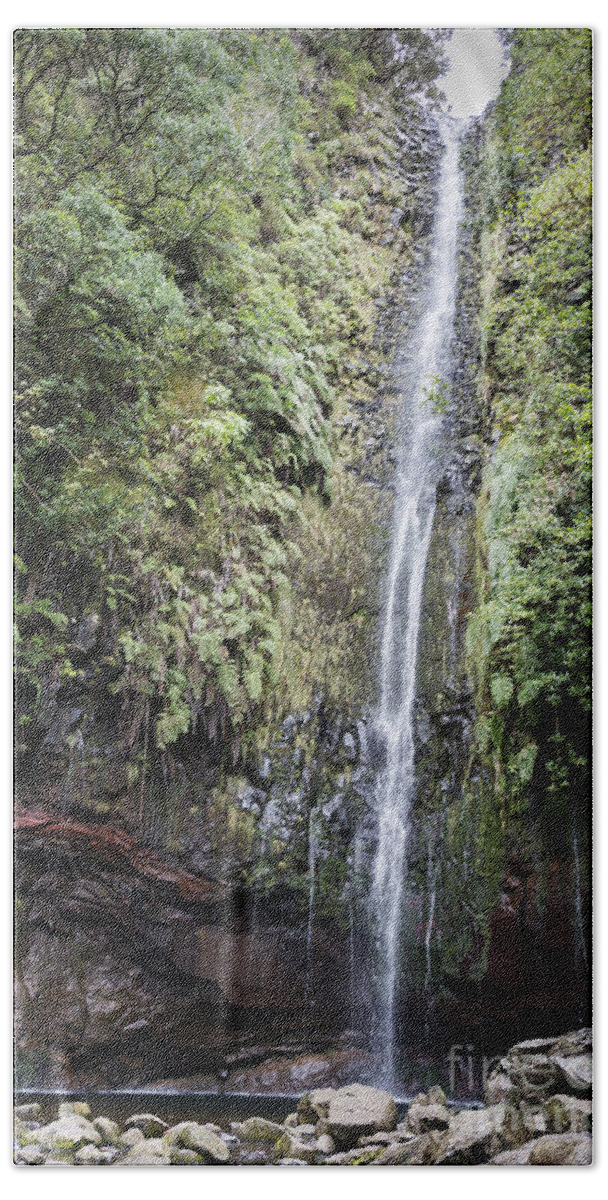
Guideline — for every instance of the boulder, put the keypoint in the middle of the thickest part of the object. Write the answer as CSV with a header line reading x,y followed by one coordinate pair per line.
x,y
30,1156
89,1156
109,1130
68,1133
359,1157
109,1154
305,1131
258,1129
130,1137
499,1088
24,1136
568,1114
315,1104
151,1126
533,1120
192,1136
519,1157
69,1108
59,1158
540,1067
561,1150
475,1135
27,1112
427,1149
421,1118
576,1072
289,1146
358,1110
380,1139
181,1157
326,1144
139,1157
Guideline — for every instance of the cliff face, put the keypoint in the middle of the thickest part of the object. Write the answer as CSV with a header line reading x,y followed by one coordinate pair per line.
x,y
195,910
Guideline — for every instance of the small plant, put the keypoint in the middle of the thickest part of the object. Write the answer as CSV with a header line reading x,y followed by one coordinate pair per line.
x,y
437,396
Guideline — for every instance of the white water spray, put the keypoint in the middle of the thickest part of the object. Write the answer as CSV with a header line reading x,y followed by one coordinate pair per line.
x,y
426,362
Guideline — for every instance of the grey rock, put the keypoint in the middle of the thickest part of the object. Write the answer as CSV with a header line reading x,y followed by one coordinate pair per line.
x,y
27,1112
109,1130
109,1154
518,1157
70,1108
561,1150
289,1146
326,1144
139,1158
475,1135
305,1131
421,1118
182,1157
258,1129
358,1110
576,1071
68,1133
256,1158
131,1137
360,1156
568,1114
30,1156
59,1158
151,1126
379,1139
499,1088
89,1156
427,1149
204,1141
315,1104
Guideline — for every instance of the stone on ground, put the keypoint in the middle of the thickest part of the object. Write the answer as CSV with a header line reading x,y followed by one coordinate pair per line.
x,y
568,1114
150,1125
89,1156
30,1156
475,1135
561,1150
421,1118
315,1105
109,1130
289,1146
192,1136
27,1112
68,1133
358,1110
258,1129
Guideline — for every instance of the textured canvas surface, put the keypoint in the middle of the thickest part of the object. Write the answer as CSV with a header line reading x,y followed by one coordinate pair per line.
x,y
303,468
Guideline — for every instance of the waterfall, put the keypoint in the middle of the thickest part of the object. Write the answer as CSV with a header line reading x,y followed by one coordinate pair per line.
x,y
423,372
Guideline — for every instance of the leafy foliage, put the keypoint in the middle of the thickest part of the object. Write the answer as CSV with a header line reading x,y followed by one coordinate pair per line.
x,y
189,278
529,639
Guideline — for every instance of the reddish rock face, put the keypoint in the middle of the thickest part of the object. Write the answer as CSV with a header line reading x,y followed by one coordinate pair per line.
x,y
130,969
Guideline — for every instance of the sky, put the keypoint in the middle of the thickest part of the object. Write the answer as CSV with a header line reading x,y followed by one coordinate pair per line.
x,y
477,67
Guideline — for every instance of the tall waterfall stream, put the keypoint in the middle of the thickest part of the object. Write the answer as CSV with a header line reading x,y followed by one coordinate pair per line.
x,y
423,371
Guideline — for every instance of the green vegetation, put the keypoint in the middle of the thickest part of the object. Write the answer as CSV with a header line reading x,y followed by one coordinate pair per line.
x,y
206,225
529,640
198,255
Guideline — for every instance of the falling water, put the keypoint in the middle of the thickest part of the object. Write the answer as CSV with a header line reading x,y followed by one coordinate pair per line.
x,y
423,373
